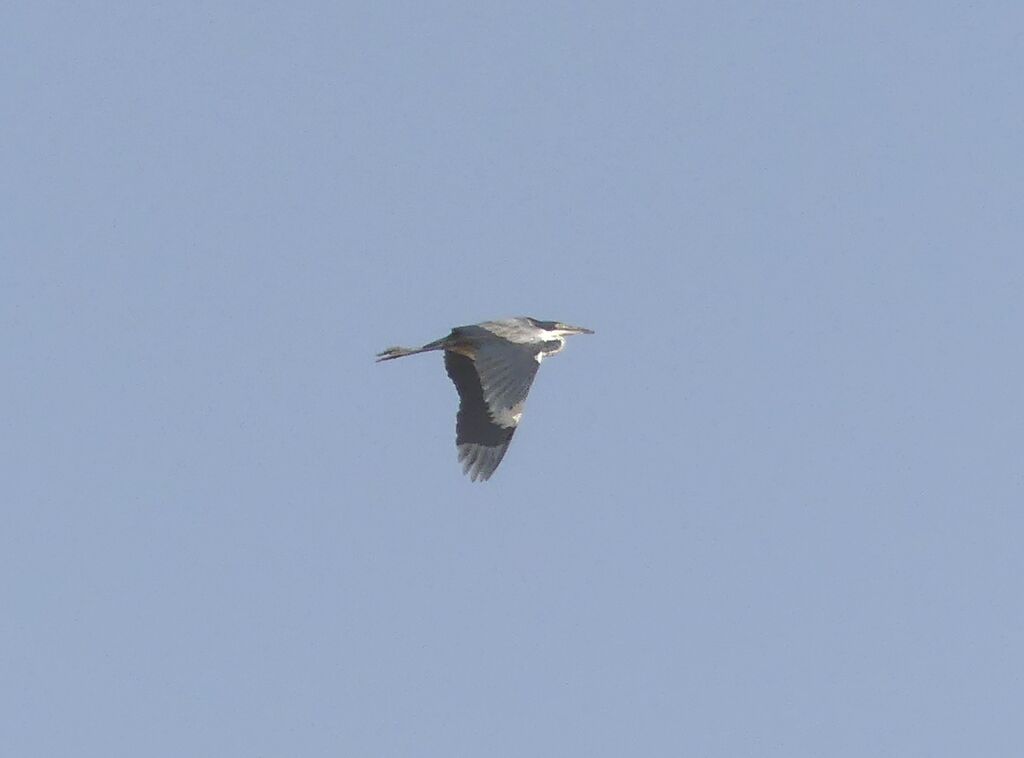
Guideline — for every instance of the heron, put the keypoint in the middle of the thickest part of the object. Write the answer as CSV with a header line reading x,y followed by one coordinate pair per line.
x,y
492,364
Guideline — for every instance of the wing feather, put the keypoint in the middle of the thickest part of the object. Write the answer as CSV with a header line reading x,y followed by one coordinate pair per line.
x,y
506,374
482,436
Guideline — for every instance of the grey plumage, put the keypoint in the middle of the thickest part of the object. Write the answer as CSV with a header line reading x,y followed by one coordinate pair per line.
x,y
492,365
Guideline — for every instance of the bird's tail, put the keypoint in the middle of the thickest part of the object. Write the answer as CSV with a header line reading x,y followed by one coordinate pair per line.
x,y
400,352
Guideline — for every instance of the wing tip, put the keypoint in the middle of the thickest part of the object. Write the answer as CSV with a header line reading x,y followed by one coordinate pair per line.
x,y
479,462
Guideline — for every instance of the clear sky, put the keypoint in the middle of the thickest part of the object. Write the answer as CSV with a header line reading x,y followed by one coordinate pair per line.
x,y
771,508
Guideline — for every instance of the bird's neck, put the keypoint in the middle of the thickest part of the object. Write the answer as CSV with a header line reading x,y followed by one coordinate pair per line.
x,y
551,346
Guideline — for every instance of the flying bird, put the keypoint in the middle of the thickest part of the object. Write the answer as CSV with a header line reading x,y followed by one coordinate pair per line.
x,y
492,365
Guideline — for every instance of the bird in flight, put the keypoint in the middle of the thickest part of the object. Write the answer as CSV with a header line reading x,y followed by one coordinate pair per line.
x,y
492,365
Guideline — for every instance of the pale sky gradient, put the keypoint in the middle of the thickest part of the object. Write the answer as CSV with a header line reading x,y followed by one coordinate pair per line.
x,y
773,507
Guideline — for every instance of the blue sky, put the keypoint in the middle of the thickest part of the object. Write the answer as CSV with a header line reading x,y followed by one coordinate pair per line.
x,y
772,507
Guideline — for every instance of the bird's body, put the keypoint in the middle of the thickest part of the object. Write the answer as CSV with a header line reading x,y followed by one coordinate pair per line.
x,y
492,365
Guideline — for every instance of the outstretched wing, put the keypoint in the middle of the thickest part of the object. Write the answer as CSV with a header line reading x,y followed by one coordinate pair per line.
x,y
491,397
506,373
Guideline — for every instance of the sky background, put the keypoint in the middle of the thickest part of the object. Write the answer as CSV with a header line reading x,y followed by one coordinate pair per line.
x,y
771,508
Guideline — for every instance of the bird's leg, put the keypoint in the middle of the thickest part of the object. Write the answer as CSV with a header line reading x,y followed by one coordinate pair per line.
x,y
400,352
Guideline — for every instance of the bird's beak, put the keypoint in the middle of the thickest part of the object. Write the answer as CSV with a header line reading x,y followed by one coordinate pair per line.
x,y
577,329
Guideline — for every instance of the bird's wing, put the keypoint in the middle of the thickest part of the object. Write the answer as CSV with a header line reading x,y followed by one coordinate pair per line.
x,y
506,373
481,435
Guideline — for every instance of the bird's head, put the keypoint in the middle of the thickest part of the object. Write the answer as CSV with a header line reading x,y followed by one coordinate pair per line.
x,y
557,329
